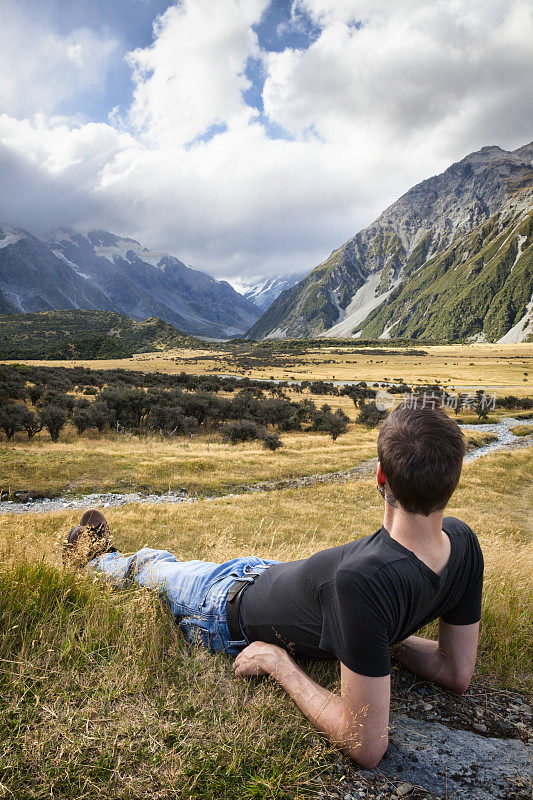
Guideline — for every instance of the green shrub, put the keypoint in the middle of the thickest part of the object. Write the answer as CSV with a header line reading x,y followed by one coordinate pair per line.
x,y
53,419
370,415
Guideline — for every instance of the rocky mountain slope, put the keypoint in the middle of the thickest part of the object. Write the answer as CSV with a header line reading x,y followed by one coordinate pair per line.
x,y
98,270
263,292
452,259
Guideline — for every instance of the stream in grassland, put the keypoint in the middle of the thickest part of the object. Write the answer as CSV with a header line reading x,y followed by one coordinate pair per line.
x,y
506,440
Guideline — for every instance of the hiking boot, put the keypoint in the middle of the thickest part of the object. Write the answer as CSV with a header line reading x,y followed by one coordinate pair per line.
x,y
94,518
87,541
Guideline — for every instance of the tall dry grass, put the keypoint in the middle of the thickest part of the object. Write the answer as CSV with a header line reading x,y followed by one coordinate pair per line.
x,y
101,698
206,464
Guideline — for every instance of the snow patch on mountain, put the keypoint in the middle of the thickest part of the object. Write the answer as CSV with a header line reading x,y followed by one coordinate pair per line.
x,y
263,291
362,303
520,243
102,271
10,236
124,249
523,328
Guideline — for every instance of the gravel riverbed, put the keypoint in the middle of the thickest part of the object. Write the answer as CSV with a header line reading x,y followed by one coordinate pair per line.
x,y
506,439
25,502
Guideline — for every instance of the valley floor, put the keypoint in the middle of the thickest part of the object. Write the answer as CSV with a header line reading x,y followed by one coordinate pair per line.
x,y
505,368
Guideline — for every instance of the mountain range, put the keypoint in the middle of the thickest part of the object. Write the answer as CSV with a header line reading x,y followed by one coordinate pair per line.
x,y
101,271
263,291
451,260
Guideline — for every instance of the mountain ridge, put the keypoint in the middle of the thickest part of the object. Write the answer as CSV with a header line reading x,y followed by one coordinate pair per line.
x,y
99,270
342,295
263,291
85,334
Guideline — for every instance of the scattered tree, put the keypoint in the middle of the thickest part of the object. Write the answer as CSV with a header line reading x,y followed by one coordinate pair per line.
x,y
100,415
12,418
82,419
330,422
30,423
54,419
34,393
370,415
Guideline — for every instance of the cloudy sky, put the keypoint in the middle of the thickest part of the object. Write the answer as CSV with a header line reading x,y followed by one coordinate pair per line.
x,y
248,137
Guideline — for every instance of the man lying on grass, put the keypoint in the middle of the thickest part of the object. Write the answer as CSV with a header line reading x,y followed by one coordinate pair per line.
x,y
353,602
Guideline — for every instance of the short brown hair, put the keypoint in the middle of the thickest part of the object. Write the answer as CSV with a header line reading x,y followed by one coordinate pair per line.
x,y
421,451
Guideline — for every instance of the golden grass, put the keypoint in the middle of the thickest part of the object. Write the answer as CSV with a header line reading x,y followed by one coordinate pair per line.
x,y
102,698
207,464
475,439
522,430
506,368
494,498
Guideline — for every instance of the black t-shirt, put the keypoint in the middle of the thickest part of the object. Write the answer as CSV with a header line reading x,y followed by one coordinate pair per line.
x,y
354,601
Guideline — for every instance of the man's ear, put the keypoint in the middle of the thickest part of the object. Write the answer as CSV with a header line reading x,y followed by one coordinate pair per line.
x,y
380,475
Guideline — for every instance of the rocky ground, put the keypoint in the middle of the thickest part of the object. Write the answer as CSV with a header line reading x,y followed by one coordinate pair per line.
x,y
476,746
505,439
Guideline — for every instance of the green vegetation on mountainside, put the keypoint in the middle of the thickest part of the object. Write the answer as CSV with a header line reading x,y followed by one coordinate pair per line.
x,y
455,249
85,334
481,284
312,305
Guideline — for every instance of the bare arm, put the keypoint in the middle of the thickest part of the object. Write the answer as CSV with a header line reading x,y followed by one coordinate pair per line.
x,y
356,721
449,662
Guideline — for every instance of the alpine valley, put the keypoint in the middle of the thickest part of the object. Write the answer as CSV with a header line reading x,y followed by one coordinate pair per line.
x,y
451,260
100,271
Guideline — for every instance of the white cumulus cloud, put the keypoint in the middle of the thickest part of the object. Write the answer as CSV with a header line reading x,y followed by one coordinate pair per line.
x,y
41,69
192,77
385,95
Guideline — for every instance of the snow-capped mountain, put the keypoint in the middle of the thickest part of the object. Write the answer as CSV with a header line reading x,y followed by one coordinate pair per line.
x,y
263,291
99,270
32,278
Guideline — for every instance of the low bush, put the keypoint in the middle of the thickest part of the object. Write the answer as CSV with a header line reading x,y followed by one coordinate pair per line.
x,y
242,430
271,441
370,415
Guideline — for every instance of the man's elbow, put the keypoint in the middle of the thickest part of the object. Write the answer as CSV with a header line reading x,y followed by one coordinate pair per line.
x,y
460,684
368,757
370,762
459,680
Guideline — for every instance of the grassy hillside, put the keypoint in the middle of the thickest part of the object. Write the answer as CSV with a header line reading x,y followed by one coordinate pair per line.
x,y
85,334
